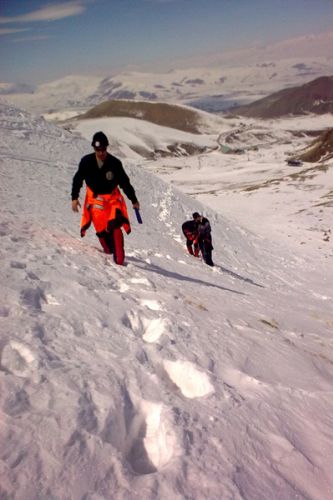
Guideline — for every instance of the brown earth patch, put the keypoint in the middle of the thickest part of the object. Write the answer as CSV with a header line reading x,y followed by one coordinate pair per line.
x,y
166,115
321,148
313,97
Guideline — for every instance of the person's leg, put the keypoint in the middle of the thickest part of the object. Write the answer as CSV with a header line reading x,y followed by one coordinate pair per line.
x,y
119,252
99,220
189,246
114,227
106,240
201,244
208,253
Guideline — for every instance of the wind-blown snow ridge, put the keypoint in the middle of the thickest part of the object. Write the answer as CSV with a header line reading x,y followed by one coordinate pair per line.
x,y
93,356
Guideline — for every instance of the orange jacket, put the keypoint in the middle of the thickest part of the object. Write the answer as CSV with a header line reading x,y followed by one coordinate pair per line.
x,y
109,204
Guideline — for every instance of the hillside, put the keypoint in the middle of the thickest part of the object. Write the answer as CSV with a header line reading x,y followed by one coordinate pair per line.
x,y
321,149
163,378
315,96
166,115
151,130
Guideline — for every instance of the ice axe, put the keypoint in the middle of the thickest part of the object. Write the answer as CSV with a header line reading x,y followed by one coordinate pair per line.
x,y
138,215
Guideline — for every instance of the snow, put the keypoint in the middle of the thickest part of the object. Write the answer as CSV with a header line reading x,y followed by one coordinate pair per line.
x,y
164,378
292,198
218,82
141,135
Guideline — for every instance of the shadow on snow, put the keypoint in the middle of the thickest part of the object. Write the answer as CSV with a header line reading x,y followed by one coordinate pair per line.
x,y
171,274
238,276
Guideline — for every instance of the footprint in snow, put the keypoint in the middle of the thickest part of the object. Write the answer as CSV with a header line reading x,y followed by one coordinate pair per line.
x,y
246,385
153,329
123,286
32,298
151,442
150,329
143,283
18,359
142,431
51,300
153,305
192,382
17,265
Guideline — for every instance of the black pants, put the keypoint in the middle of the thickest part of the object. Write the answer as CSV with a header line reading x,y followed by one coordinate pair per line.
x,y
206,248
106,240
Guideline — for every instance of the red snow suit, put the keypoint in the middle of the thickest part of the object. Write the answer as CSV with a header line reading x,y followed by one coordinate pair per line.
x,y
108,213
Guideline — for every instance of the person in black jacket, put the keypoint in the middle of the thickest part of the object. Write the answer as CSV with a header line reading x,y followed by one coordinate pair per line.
x,y
104,204
204,238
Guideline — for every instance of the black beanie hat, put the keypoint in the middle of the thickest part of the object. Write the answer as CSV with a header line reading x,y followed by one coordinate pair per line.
x,y
195,215
100,140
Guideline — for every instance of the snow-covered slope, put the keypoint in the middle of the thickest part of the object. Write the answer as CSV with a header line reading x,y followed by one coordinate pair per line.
x,y
241,171
138,139
68,93
164,378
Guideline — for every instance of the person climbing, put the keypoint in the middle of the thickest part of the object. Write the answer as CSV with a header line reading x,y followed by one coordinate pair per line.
x,y
104,204
191,233
204,237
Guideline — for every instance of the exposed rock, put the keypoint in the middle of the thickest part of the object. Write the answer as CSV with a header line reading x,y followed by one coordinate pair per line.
x,y
321,149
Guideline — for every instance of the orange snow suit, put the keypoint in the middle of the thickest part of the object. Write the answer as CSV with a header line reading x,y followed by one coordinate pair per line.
x,y
108,213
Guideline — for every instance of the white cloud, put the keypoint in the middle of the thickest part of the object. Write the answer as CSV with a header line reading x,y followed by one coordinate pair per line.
x,y
48,13
8,31
311,45
31,38
162,1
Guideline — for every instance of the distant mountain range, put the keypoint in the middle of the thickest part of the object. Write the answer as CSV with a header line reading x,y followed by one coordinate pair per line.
x,y
214,88
315,96
267,89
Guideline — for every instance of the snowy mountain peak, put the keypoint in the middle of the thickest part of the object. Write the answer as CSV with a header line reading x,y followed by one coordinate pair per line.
x,y
212,88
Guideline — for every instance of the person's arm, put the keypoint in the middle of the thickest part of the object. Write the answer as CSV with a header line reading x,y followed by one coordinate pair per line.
x,y
196,236
76,205
127,187
76,187
207,227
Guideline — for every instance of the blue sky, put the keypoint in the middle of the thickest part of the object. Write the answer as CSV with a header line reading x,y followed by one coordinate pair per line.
x,y
41,41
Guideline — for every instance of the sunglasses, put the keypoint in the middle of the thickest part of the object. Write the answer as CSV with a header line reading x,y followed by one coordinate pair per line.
x,y
100,149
